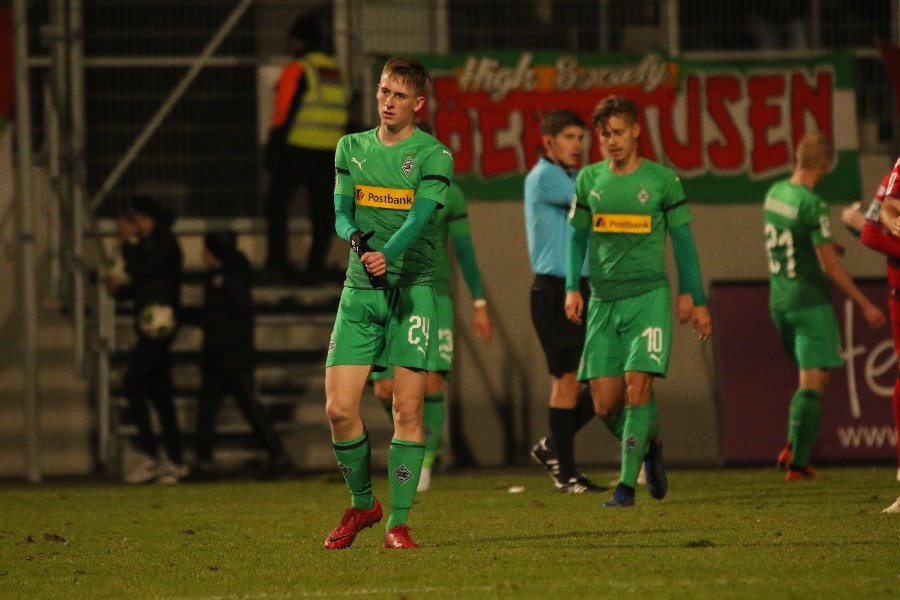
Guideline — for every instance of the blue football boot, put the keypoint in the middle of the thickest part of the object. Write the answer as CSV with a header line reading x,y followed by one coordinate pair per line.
x,y
622,497
657,483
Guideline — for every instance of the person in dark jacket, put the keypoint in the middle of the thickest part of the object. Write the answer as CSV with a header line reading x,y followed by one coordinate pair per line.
x,y
227,318
152,280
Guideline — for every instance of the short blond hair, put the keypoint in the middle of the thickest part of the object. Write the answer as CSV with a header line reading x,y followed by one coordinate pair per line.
x,y
408,71
815,149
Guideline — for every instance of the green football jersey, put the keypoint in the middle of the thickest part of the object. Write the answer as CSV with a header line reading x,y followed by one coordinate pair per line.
x,y
628,217
451,215
796,221
384,182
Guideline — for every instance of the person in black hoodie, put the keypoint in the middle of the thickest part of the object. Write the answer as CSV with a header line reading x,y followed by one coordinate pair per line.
x,y
152,279
227,318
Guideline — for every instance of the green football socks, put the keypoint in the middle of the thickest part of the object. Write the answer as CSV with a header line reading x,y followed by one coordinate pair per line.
x,y
616,425
353,458
653,430
404,467
434,424
803,424
634,440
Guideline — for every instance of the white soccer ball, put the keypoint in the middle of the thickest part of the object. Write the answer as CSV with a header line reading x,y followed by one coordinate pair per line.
x,y
157,321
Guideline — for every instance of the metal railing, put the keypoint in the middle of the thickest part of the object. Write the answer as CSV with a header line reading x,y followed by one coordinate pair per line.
x,y
135,96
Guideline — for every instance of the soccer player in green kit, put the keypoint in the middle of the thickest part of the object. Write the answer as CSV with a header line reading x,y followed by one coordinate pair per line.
x,y
802,260
623,207
389,181
451,222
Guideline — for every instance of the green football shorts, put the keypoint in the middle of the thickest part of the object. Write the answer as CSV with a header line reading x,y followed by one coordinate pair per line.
x,y
440,343
630,334
383,327
441,357
811,336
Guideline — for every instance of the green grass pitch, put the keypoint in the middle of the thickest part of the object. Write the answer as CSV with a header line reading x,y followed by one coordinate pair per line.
x,y
723,533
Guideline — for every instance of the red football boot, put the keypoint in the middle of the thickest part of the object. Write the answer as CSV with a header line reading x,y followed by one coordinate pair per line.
x,y
398,538
794,475
784,457
354,521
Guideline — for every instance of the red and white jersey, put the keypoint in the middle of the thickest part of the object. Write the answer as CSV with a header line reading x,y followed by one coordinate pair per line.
x,y
881,192
877,238
892,188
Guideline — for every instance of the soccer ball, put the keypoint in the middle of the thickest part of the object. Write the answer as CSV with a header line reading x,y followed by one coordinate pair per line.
x,y
157,321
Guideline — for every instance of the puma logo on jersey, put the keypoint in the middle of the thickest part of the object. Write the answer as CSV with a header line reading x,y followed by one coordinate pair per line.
x,y
594,194
446,152
358,163
422,350
656,358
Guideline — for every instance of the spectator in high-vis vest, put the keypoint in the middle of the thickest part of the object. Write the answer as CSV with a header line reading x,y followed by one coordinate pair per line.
x,y
310,116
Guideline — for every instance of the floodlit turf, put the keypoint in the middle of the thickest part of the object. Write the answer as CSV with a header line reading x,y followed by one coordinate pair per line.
x,y
719,534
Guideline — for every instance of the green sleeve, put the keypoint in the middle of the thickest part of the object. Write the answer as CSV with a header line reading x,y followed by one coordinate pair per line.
x,y
344,223
465,255
689,280
820,222
411,229
575,253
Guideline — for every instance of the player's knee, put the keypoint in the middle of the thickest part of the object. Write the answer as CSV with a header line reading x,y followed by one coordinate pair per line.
x,y
338,413
384,390
637,389
434,382
407,416
607,413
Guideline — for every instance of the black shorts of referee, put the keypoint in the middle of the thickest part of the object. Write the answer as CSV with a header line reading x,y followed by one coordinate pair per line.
x,y
561,339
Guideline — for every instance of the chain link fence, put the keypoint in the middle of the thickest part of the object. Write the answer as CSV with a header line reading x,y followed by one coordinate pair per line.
x,y
205,156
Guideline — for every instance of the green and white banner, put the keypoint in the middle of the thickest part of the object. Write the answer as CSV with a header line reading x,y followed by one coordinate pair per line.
x,y
728,127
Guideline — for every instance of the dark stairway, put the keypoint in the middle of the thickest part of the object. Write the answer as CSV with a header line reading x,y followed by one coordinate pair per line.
x,y
293,328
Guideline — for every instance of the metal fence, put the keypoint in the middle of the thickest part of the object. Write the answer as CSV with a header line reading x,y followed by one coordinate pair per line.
x,y
204,157
162,96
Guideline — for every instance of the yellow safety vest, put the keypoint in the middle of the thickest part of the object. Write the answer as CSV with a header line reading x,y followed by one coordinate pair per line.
x,y
323,115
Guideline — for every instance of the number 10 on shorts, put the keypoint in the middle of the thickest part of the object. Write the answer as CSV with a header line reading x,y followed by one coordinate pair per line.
x,y
654,337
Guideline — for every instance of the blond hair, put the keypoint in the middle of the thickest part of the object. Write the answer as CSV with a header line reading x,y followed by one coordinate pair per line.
x,y
814,150
408,71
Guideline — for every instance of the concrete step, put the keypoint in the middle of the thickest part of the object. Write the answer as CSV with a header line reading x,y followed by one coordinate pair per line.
x,y
65,431
65,421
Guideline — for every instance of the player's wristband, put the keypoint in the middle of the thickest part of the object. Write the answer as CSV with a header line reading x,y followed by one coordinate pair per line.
x,y
359,242
479,303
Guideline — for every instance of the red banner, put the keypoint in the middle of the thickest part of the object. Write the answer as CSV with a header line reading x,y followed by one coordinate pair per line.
x,y
756,379
728,127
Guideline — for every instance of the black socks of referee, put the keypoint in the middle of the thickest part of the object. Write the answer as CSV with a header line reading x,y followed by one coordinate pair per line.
x,y
564,423
584,408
